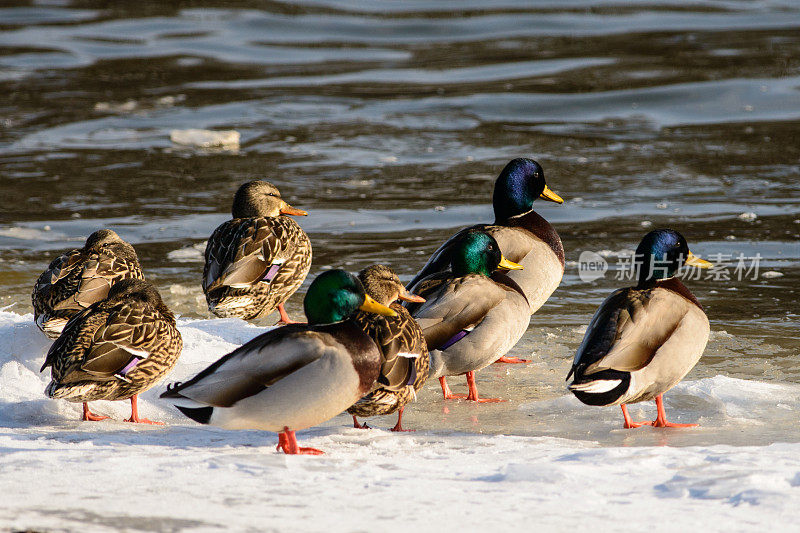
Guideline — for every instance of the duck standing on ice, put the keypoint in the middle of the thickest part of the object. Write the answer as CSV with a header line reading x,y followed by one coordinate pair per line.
x,y
643,340
399,338
115,350
295,376
473,313
257,260
76,279
524,236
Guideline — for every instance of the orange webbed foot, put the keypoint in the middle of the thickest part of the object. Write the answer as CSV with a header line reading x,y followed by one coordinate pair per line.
x,y
356,425
89,416
288,443
143,421
512,360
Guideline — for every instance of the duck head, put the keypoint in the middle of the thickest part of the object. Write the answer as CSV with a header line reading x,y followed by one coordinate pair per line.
x,y
477,252
100,238
662,253
260,198
382,284
109,240
335,295
139,290
518,185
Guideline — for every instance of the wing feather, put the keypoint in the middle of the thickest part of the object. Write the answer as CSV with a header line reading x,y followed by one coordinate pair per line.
x,y
254,366
627,331
455,305
241,251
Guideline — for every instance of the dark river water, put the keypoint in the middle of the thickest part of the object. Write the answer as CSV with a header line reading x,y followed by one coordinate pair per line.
x,y
388,122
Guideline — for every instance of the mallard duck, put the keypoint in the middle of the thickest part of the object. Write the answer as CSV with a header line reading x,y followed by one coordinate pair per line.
x,y
295,376
78,278
115,350
402,345
524,236
256,261
473,313
643,340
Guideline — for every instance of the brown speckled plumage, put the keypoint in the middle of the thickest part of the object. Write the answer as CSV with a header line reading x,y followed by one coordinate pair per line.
x,y
88,359
401,376
78,278
241,251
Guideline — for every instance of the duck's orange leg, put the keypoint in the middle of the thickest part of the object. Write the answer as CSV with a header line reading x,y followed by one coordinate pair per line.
x,y
135,414
288,443
359,426
399,425
89,416
661,417
285,320
473,391
446,392
630,424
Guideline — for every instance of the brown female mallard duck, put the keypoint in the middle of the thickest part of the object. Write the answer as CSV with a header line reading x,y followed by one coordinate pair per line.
x,y
77,279
399,338
256,261
643,340
295,376
115,350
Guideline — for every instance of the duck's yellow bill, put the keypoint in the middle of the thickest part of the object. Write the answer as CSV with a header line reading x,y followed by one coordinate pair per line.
x,y
408,297
371,306
286,209
509,265
694,261
547,194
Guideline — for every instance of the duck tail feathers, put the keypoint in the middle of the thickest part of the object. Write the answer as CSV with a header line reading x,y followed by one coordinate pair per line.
x,y
201,415
196,411
598,386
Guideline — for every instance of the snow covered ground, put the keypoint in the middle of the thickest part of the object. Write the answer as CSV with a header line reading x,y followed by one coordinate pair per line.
x,y
739,471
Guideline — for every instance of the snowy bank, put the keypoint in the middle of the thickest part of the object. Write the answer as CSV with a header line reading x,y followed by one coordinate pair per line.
x,y
57,473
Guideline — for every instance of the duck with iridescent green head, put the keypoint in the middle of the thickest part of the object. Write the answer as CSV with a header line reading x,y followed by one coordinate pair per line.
x,y
473,313
295,376
524,236
643,340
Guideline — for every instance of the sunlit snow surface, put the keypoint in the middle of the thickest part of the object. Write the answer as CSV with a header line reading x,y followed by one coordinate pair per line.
x,y
575,468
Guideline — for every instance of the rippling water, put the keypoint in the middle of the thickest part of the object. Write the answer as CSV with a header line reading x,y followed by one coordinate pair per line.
x,y
388,122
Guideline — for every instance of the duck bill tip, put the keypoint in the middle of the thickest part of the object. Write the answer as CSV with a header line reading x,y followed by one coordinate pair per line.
x,y
371,306
409,297
550,196
286,209
509,265
694,261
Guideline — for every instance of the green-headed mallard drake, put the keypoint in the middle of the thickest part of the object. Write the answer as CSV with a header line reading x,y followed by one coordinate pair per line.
x,y
473,313
524,236
643,340
77,279
295,376
115,350
402,345
256,261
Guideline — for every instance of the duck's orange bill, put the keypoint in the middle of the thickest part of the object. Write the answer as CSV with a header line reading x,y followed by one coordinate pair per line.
x,y
286,209
408,297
